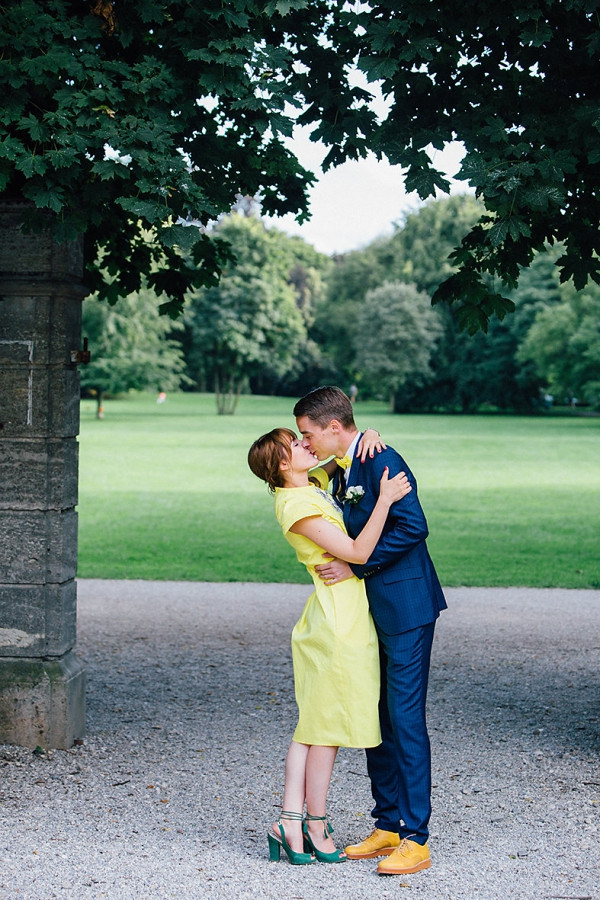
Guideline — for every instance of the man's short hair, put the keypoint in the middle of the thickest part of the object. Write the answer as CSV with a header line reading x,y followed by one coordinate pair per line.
x,y
324,404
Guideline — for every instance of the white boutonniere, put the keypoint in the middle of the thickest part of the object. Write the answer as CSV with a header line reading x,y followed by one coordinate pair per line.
x,y
354,494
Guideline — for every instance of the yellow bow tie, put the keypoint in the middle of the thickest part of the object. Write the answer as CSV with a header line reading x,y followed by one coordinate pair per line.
x,y
345,462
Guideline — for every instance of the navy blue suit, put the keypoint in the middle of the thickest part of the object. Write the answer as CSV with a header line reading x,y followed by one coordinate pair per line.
x,y
405,598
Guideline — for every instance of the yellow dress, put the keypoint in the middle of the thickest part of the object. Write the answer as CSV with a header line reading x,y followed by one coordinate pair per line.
x,y
334,643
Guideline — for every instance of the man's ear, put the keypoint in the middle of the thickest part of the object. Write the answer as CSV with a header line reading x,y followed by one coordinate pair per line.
x,y
336,426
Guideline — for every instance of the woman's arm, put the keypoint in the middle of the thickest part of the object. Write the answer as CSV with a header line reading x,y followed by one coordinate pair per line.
x,y
328,536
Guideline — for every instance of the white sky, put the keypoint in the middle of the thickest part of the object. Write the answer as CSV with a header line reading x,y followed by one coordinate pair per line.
x,y
358,201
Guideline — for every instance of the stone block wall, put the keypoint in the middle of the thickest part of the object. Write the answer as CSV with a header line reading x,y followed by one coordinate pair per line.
x,y
40,327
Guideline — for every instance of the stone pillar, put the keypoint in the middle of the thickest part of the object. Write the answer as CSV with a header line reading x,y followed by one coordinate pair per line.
x,y
42,683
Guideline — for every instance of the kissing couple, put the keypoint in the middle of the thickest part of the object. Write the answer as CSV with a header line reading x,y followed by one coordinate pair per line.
x,y
348,505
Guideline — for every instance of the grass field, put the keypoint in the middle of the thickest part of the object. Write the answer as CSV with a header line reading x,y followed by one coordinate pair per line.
x,y
165,493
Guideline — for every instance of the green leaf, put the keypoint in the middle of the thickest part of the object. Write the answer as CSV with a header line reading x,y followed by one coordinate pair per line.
x,y
182,236
150,211
10,148
106,169
474,169
542,197
537,34
498,233
44,197
495,130
425,181
285,7
37,129
517,228
31,165
579,268
378,67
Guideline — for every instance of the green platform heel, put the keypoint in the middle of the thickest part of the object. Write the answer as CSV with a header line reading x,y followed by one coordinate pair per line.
x,y
277,842
338,856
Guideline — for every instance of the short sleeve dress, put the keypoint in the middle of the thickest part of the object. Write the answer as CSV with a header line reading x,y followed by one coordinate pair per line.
x,y
334,643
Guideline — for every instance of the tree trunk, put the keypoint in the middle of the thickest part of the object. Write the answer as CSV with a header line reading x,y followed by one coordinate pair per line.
x,y
227,399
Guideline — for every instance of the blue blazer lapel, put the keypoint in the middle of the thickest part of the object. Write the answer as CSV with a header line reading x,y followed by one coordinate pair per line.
x,y
353,473
338,483
346,507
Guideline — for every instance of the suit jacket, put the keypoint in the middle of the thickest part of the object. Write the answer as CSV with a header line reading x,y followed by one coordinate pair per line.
x,y
402,585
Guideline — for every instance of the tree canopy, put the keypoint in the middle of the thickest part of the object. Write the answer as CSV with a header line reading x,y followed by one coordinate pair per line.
x,y
466,372
395,337
132,349
564,345
416,253
250,322
160,112
517,83
149,112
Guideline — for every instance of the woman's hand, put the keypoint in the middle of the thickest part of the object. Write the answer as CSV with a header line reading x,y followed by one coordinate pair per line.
x,y
369,442
393,489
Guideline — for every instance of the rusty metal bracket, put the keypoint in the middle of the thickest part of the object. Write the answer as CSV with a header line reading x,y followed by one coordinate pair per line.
x,y
81,357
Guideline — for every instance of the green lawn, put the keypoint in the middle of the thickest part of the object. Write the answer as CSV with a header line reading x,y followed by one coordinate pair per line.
x,y
166,493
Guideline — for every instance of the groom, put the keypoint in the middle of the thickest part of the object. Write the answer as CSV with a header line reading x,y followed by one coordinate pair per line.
x,y
405,598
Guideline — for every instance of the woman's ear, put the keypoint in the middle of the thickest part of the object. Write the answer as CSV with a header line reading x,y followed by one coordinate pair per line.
x,y
284,465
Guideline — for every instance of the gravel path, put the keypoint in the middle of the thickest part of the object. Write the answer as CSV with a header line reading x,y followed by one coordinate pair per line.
x,y
190,711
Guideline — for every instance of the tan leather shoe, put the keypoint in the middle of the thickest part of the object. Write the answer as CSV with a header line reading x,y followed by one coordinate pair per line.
x,y
407,858
379,843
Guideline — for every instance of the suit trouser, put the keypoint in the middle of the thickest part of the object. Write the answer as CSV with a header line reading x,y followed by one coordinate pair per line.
x,y
400,767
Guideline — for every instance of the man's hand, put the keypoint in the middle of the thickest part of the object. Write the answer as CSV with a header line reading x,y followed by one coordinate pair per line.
x,y
334,570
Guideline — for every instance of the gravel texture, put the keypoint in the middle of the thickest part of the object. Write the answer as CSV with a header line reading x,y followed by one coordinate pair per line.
x,y
190,712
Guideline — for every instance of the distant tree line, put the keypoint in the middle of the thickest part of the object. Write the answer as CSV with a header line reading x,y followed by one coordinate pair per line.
x,y
549,347
284,319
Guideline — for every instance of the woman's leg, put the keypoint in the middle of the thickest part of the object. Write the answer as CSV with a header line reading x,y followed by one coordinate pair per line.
x,y
294,791
319,766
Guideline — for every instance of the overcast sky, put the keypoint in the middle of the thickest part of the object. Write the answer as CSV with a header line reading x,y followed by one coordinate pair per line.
x,y
359,201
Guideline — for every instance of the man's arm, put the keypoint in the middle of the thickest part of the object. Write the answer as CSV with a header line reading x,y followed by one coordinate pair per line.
x,y
334,570
406,525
